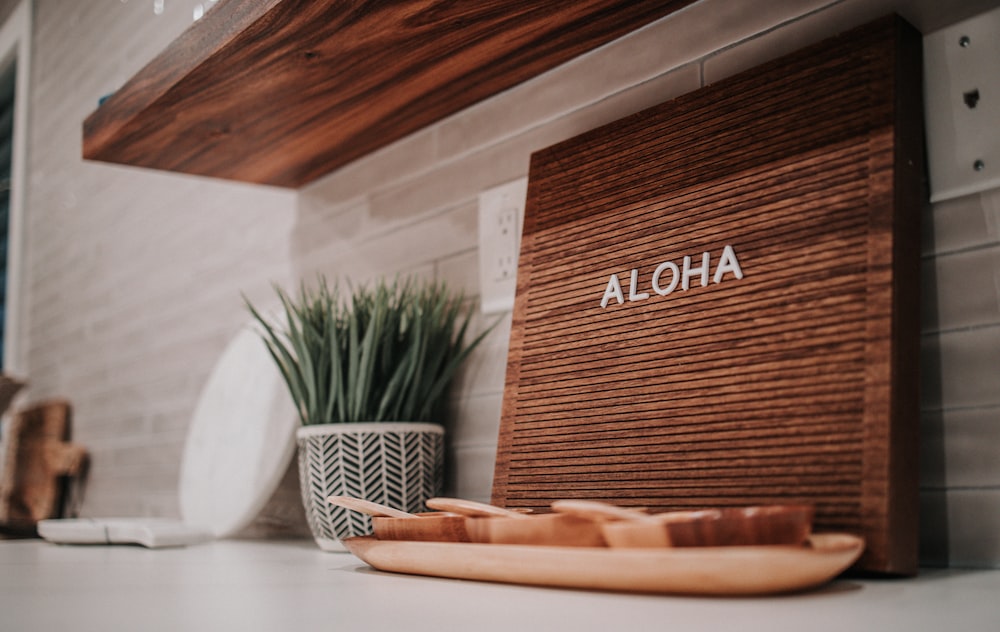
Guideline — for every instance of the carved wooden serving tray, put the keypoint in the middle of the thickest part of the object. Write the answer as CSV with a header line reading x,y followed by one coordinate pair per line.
x,y
734,570
717,300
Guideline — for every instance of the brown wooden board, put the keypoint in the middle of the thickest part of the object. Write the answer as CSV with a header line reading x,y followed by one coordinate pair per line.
x,y
282,92
787,371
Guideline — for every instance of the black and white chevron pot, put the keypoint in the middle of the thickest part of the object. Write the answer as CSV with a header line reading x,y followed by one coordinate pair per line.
x,y
396,464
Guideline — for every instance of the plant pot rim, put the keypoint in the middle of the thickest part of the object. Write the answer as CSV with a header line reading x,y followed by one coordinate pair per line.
x,y
313,430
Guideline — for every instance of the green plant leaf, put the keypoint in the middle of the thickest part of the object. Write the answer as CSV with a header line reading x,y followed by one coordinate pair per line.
x,y
286,363
383,352
300,349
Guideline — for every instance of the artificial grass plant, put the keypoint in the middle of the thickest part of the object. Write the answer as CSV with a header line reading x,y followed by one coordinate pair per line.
x,y
382,352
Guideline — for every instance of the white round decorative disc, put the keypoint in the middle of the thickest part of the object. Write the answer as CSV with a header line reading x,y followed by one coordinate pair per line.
x,y
241,439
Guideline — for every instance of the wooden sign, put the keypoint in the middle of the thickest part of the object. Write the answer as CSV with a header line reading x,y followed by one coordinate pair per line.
x,y
717,300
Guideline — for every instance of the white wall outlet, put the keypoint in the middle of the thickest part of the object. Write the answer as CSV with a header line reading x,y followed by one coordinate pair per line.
x,y
962,106
501,216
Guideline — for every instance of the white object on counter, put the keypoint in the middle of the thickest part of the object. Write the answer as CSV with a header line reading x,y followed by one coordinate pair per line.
x,y
241,439
152,533
239,444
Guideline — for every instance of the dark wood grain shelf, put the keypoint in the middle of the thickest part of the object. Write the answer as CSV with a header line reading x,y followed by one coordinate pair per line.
x,y
281,92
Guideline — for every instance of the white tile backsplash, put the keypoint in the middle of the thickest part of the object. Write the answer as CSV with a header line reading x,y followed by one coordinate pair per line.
x,y
973,525
472,475
959,448
960,368
480,415
961,289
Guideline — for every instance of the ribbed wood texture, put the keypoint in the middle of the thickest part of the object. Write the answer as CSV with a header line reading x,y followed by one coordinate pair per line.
x,y
796,382
281,92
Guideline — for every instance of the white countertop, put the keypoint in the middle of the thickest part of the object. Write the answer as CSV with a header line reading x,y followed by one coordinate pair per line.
x,y
291,585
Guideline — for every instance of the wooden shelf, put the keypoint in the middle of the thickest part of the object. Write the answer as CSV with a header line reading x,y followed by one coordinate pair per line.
x,y
281,92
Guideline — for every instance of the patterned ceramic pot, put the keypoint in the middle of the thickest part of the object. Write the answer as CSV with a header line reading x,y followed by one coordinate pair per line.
x,y
396,464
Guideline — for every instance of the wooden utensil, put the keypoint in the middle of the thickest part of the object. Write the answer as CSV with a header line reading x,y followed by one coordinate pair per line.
x,y
368,507
553,529
744,526
472,508
597,510
429,527
392,524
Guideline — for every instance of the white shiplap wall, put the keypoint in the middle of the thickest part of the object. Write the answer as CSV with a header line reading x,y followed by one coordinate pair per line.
x,y
135,276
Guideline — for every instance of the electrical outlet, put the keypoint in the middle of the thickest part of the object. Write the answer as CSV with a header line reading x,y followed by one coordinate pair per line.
x,y
501,215
962,99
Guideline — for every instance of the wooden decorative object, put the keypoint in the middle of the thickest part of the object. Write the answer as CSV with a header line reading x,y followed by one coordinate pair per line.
x,y
281,92
38,461
717,300
9,387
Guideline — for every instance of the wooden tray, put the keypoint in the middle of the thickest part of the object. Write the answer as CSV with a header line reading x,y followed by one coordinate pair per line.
x,y
720,571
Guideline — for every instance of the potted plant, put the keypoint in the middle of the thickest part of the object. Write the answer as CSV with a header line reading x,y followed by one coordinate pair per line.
x,y
369,373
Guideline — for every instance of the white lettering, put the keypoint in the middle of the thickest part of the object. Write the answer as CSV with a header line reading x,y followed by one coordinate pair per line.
x,y
675,277
728,263
614,291
690,272
632,296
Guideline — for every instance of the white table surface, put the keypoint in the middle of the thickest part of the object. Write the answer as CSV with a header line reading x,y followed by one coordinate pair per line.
x,y
292,585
